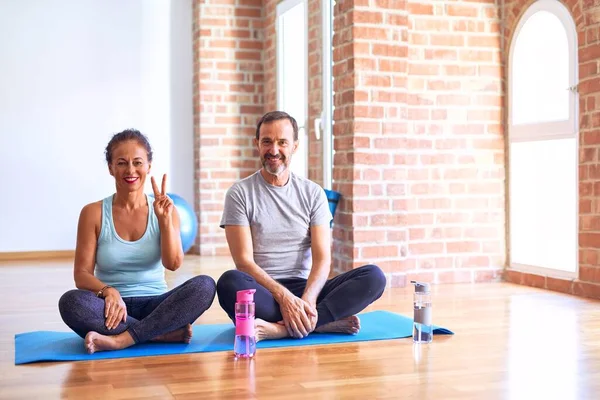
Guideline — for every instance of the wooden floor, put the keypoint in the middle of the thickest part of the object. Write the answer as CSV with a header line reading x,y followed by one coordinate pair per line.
x,y
511,342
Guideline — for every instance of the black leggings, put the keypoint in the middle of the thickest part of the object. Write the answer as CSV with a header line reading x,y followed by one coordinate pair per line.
x,y
342,296
147,317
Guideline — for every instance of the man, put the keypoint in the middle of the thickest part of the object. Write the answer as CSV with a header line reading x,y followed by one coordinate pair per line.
x,y
277,226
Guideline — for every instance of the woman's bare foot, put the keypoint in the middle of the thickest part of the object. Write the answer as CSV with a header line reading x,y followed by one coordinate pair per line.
x,y
181,335
95,342
269,330
349,325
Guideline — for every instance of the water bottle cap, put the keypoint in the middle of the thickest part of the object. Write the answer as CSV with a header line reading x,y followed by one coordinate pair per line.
x,y
245,295
421,287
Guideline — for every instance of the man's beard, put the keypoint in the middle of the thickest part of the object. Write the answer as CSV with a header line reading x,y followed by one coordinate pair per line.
x,y
275,170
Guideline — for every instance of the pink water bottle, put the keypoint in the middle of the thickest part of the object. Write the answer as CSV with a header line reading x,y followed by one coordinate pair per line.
x,y
244,345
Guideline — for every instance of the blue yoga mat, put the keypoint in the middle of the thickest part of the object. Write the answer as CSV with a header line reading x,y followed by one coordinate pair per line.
x,y
67,346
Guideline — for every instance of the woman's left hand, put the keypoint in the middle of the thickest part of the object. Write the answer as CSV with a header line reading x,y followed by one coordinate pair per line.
x,y
163,205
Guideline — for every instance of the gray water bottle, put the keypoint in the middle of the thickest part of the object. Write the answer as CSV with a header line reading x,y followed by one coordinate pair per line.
x,y
422,325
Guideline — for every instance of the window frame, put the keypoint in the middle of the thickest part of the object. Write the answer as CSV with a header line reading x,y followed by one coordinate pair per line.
x,y
555,129
546,130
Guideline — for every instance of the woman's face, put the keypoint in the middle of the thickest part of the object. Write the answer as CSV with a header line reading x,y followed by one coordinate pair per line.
x,y
129,166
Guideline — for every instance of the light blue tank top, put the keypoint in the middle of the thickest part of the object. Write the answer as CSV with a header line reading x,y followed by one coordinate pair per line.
x,y
133,268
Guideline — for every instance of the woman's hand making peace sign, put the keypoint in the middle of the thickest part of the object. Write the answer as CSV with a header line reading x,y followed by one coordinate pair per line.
x,y
163,205
168,220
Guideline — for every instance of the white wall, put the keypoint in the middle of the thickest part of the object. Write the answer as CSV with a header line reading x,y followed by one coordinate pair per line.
x,y
72,73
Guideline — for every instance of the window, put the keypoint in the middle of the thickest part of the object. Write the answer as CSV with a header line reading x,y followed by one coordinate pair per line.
x,y
543,142
325,122
292,80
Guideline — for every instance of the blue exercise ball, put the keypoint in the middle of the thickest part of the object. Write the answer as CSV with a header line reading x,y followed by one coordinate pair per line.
x,y
188,221
333,198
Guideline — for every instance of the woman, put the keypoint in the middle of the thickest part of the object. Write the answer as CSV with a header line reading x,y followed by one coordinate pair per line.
x,y
124,242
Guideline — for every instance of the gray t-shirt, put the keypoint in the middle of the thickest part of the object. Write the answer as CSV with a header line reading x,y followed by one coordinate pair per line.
x,y
280,218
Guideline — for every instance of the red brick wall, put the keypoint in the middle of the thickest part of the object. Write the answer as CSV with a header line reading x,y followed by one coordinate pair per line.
x,y
418,140
370,48
229,99
585,15
270,54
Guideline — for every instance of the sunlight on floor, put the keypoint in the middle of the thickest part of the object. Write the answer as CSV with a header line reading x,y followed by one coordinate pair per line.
x,y
544,344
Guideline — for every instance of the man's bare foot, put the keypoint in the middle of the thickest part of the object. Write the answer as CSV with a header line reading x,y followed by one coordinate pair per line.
x,y
181,335
269,330
96,342
349,325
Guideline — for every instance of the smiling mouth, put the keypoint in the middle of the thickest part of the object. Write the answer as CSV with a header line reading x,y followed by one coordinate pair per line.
x,y
131,180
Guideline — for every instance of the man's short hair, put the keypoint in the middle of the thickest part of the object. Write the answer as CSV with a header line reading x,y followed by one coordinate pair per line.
x,y
276,116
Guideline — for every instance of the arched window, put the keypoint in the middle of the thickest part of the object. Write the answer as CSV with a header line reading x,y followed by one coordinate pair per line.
x,y
543,144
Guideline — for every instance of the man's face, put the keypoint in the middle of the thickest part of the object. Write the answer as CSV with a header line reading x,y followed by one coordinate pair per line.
x,y
276,146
